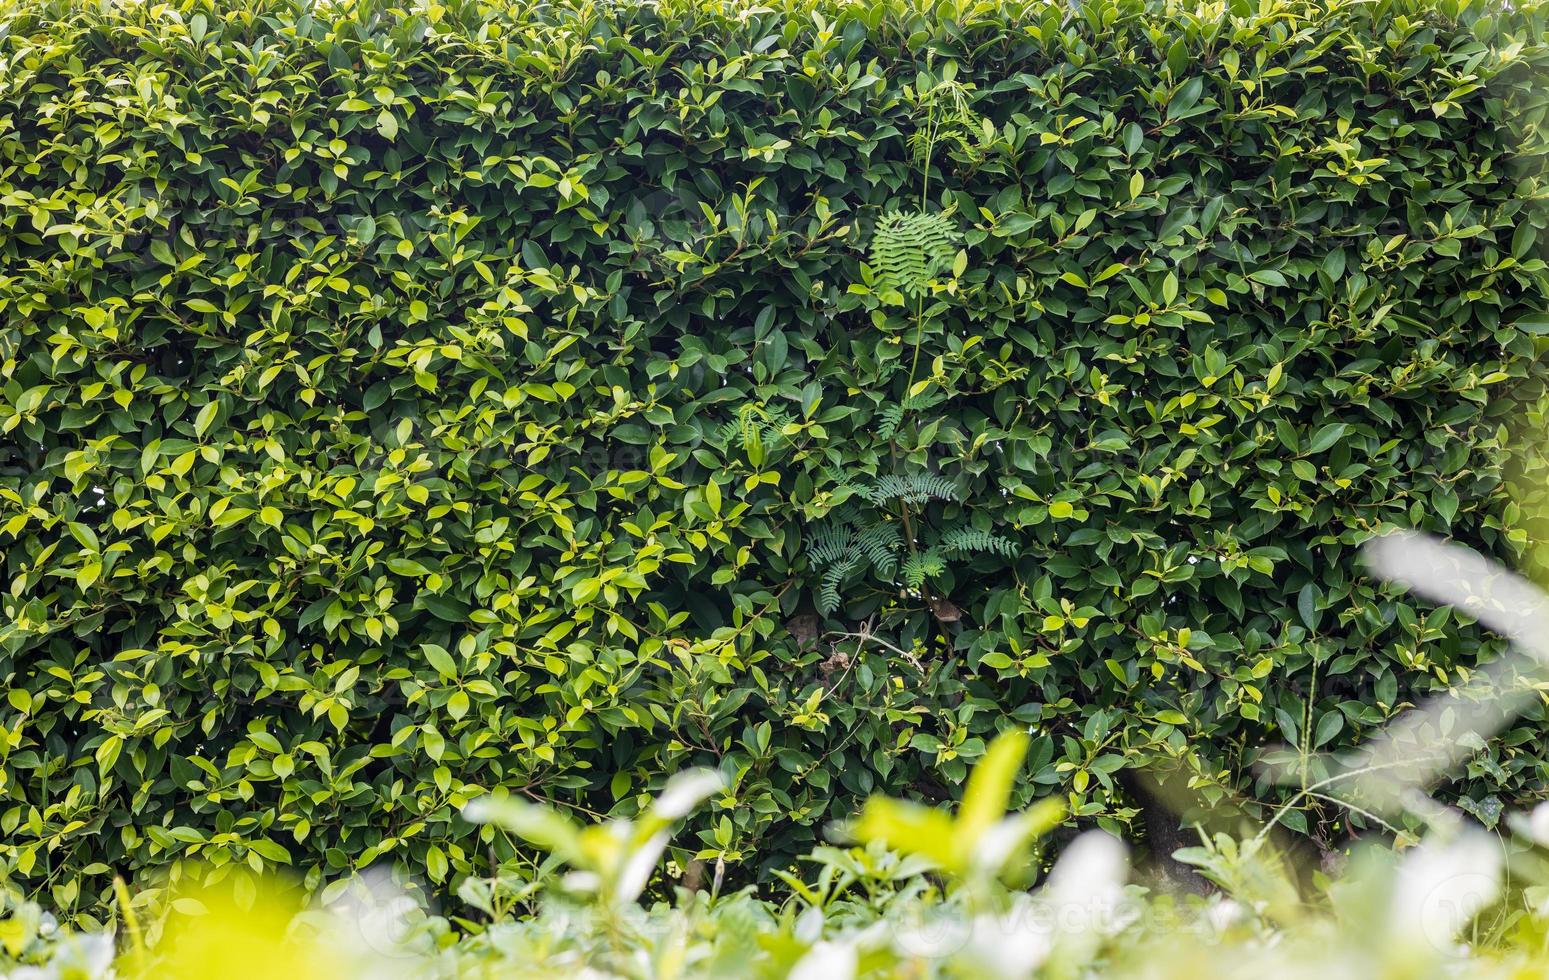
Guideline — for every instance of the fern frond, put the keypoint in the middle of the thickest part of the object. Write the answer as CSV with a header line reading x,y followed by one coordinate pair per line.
x,y
920,143
753,424
830,542
833,576
888,421
948,117
910,249
966,539
922,565
911,488
879,545
925,399
855,537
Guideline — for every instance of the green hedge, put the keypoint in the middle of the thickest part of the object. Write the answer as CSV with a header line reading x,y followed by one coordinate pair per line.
x,y
405,405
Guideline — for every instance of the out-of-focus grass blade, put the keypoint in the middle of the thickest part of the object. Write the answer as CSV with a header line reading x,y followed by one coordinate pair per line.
x,y
1431,739
1450,573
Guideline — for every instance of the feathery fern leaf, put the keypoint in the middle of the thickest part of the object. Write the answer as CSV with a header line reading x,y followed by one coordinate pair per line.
x,y
965,539
879,544
922,565
752,425
910,488
947,117
830,542
888,420
910,249
856,537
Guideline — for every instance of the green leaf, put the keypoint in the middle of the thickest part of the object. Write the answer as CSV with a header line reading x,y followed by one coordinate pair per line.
x,y
439,659
585,591
1307,606
1329,726
206,418
1325,438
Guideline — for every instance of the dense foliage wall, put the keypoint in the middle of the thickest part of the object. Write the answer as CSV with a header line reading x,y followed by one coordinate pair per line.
x,y
402,406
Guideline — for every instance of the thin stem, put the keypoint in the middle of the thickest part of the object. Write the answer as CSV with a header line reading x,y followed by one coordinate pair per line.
x,y
868,637
1351,806
1328,781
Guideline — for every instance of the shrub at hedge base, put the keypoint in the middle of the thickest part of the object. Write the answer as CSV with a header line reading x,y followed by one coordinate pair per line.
x,y
406,406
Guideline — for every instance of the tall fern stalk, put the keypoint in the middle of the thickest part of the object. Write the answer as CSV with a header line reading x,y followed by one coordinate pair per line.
x,y
910,251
